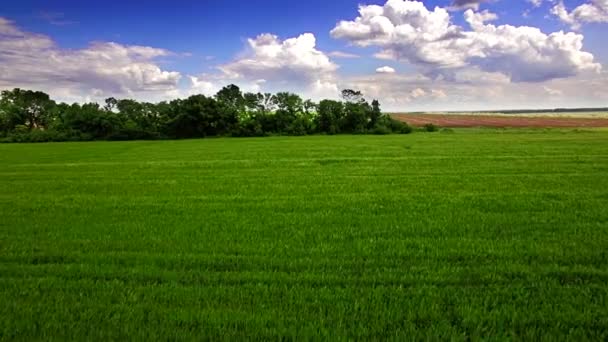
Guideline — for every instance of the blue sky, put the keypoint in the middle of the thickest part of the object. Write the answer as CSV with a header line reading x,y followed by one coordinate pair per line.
x,y
202,44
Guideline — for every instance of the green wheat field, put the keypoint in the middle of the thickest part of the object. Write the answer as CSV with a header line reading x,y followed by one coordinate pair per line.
x,y
458,235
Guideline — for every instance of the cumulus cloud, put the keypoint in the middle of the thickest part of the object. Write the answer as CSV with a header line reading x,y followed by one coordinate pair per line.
x,y
32,60
596,11
296,60
471,90
200,85
407,31
385,70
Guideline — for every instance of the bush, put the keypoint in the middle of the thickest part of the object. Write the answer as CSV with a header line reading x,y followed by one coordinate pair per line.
x,y
400,127
132,134
381,130
300,126
430,128
35,136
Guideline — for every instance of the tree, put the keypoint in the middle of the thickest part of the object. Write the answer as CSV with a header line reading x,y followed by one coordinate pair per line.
x,y
201,116
6,116
27,115
309,107
290,108
375,114
353,96
330,116
90,119
231,97
27,107
355,117
253,102
111,104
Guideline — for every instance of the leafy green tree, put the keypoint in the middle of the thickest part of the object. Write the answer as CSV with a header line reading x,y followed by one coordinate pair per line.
x,y
111,104
90,119
232,98
200,116
330,116
355,118
253,102
5,117
354,96
290,108
27,115
375,114
27,107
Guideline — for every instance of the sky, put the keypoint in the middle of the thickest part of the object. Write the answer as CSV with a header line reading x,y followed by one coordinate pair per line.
x,y
410,55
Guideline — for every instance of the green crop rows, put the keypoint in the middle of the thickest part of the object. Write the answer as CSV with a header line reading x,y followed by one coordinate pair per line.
x,y
475,234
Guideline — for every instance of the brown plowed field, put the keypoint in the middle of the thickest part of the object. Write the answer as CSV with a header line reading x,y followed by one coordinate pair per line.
x,y
457,120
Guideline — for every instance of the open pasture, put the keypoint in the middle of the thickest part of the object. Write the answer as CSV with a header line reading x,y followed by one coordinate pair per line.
x,y
461,236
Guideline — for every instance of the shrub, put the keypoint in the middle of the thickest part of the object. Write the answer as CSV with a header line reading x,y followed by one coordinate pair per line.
x,y
380,129
35,136
430,128
132,134
399,126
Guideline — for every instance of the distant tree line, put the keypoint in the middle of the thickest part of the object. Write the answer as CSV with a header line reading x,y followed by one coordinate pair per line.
x,y
32,116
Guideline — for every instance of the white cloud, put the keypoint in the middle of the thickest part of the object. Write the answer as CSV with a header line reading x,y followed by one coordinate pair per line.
x,y
272,59
341,54
198,85
535,3
596,11
472,90
407,31
34,61
553,92
438,94
478,19
293,62
385,70
418,92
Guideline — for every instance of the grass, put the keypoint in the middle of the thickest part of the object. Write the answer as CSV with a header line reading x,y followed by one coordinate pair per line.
x,y
458,236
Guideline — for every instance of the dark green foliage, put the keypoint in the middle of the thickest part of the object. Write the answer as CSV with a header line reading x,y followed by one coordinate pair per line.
x,y
25,107
35,135
201,116
375,113
350,95
27,116
356,119
232,98
430,128
90,119
388,125
330,116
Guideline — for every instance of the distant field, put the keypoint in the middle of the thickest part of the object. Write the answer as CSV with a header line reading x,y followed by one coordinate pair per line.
x,y
538,120
469,235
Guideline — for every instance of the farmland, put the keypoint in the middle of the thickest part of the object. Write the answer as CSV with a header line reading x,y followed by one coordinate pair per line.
x,y
561,120
462,235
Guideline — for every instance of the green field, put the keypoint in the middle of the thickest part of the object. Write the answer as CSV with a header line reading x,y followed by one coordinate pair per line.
x,y
500,234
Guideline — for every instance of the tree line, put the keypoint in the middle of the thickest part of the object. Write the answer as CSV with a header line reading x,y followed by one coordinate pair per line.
x,y
32,116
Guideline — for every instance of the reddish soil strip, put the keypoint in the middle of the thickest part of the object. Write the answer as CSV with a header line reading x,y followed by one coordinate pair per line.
x,y
498,121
